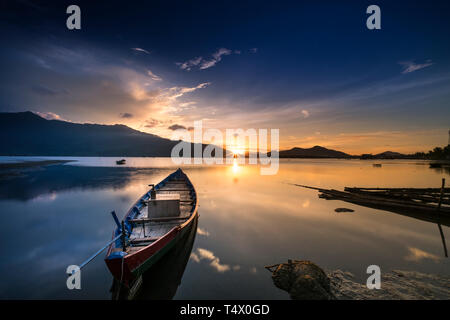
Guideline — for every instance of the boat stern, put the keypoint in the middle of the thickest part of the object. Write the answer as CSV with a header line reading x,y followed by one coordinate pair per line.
x,y
118,266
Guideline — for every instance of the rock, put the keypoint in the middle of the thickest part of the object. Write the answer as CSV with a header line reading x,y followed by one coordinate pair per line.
x,y
344,210
395,285
303,280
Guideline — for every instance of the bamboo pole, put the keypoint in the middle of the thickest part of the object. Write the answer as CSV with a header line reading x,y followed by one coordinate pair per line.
x,y
439,225
442,193
443,240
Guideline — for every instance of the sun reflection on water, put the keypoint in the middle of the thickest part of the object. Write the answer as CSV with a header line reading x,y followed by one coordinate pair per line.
x,y
236,167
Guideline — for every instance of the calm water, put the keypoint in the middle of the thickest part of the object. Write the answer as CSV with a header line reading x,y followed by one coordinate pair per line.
x,y
59,215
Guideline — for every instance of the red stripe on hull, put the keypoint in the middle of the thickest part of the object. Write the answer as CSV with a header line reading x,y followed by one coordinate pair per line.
x,y
135,260
132,262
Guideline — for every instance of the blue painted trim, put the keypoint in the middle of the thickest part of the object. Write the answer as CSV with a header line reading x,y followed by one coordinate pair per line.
x,y
116,255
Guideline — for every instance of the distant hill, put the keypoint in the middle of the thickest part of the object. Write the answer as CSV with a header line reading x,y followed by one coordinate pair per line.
x,y
386,155
314,152
389,154
27,134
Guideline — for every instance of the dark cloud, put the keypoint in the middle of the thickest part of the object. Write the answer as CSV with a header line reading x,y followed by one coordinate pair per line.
x,y
44,91
126,115
176,127
151,123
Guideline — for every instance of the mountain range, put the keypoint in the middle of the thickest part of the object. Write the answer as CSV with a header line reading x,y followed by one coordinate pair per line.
x,y
28,134
314,152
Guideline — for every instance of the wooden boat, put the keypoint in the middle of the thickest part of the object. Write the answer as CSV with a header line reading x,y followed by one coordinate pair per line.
x,y
161,281
150,228
428,204
119,162
376,165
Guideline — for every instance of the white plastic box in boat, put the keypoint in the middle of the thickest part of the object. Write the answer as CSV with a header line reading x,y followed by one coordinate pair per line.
x,y
165,205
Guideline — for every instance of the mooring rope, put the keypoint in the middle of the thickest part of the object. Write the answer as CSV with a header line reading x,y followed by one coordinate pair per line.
x,y
98,252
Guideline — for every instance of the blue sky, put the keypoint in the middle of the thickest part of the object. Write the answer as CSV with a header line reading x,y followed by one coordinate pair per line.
x,y
309,68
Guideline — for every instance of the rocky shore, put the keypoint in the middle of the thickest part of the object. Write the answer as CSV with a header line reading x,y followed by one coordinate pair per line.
x,y
304,280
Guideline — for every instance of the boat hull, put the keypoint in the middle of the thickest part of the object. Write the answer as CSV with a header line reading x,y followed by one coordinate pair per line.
x,y
138,263
127,268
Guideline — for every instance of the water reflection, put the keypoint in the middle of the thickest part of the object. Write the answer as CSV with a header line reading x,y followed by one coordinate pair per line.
x,y
236,167
213,261
443,167
46,183
415,254
60,216
161,281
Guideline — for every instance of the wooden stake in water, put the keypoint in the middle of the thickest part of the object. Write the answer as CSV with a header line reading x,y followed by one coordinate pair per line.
x,y
439,225
442,193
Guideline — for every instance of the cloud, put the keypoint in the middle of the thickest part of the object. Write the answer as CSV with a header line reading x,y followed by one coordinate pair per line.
x,y
160,100
195,257
305,113
202,232
151,123
410,66
214,262
49,115
44,91
417,255
217,56
176,92
253,50
116,87
203,64
153,76
189,64
189,104
176,127
141,50
126,115
218,266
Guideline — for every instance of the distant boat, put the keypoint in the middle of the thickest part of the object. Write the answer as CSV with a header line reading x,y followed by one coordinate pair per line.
x,y
155,223
119,162
377,165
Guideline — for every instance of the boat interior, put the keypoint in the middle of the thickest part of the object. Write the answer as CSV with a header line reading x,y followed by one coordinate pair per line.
x,y
168,204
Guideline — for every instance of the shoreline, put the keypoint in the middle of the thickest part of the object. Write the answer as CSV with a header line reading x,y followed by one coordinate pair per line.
x,y
30,164
10,170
